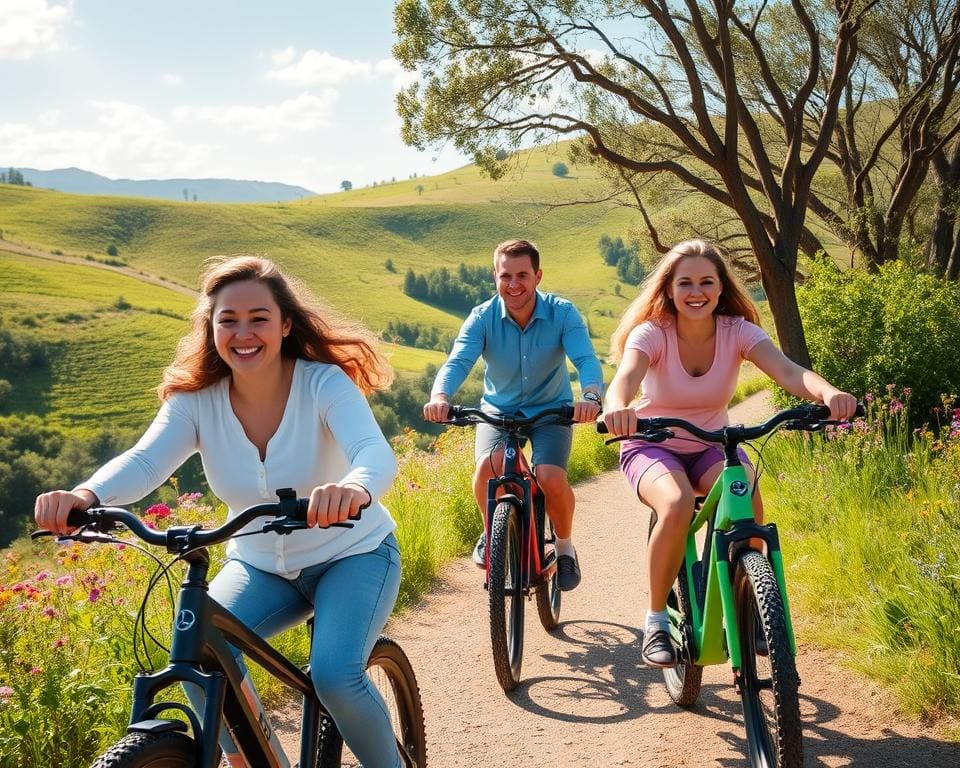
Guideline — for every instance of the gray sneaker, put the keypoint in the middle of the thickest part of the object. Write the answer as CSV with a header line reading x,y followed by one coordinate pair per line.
x,y
480,552
568,572
658,650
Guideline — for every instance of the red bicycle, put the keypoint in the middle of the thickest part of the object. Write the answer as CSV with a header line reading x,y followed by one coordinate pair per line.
x,y
520,558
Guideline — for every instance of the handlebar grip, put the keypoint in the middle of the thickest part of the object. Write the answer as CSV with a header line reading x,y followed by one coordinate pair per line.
x,y
602,428
78,517
860,411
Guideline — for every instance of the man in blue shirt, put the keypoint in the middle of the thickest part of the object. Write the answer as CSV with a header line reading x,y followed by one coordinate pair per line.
x,y
525,337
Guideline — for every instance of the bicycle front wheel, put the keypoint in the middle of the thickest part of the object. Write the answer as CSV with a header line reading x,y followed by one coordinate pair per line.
x,y
169,749
769,683
548,593
506,595
390,671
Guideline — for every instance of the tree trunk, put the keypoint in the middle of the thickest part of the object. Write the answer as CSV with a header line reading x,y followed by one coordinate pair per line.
x,y
782,294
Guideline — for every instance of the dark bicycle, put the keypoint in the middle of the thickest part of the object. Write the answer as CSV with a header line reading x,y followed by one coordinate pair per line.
x,y
520,558
199,655
729,601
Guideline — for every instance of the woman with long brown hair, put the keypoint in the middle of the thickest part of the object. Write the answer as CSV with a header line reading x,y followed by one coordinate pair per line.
x,y
684,338
270,391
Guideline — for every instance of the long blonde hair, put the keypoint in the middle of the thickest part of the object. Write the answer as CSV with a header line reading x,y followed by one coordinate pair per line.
x,y
654,304
314,335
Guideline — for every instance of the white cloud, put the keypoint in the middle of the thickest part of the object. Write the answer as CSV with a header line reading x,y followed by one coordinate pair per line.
x,y
284,57
31,27
124,140
171,79
302,114
322,68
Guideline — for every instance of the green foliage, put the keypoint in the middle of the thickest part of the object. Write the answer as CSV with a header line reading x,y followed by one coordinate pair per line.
x,y
388,265
560,169
417,335
15,177
112,250
461,290
868,521
626,259
346,185
897,327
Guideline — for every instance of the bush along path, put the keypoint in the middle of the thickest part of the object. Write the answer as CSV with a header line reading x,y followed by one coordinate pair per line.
x,y
584,699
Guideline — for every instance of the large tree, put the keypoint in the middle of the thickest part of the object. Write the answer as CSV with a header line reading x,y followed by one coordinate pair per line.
x,y
654,88
901,114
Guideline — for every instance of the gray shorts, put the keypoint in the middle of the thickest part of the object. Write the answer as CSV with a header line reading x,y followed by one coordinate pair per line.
x,y
551,443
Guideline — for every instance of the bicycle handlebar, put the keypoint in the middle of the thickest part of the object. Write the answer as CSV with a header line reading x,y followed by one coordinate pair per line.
x,y
808,416
289,513
462,416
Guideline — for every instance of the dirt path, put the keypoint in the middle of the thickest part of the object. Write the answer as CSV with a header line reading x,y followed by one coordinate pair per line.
x,y
584,701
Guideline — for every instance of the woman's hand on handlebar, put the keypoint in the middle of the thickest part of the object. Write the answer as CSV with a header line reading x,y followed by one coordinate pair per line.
x,y
585,411
333,503
842,405
50,510
621,421
437,410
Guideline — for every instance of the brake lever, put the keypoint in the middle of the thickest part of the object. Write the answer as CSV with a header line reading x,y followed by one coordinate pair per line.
x,y
287,525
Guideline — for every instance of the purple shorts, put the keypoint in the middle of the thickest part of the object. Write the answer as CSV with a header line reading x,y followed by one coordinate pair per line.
x,y
637,458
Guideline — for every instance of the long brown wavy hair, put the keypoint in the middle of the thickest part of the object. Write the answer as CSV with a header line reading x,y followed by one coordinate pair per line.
x,y
653,303
314,334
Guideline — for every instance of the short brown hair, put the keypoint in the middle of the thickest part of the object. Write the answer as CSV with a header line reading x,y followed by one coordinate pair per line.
x,y
514,248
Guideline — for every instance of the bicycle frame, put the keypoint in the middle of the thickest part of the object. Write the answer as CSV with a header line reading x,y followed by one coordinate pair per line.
x,y
519,486
199,655
727,512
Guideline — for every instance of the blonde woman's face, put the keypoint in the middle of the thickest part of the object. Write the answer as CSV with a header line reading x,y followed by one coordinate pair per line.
x,y
248,329
695,288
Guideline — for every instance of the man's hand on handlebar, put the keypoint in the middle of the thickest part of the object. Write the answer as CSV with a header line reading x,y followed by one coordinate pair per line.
x,y
621,422
585,411
437,410
51,509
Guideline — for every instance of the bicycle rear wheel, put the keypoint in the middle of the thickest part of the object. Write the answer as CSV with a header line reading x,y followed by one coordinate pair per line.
x,y
169,749
506,597
548,593
768,684
682,681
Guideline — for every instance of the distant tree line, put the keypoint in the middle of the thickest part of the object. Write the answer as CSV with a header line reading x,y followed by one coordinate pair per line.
x,y
13,176
460,290
417,335
625,258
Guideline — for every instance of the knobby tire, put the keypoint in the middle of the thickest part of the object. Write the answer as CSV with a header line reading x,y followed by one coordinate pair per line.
x,y
768,685
506,600
403,700
548,593
682,681
169,749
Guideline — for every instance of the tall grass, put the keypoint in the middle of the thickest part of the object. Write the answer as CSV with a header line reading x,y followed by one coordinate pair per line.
x,y
870,517
67,614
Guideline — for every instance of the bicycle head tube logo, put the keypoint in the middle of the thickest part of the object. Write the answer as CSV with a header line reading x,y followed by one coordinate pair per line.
x,y
185,620
739,488
510,453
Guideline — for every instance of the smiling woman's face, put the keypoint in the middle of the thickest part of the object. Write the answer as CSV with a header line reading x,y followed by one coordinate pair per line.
x,y
248,329
695,288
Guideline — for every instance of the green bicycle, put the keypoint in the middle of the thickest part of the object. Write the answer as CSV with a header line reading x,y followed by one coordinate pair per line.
x,y
728,596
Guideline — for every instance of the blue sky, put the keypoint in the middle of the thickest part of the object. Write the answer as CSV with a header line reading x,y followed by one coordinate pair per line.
x,y
298,91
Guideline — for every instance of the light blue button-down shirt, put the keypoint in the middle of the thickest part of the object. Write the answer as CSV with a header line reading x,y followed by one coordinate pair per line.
x,y
525,368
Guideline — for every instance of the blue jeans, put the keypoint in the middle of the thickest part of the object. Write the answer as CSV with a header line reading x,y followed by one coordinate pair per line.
x,y
351,600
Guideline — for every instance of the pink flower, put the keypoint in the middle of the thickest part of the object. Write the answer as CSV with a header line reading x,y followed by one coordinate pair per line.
x,y
19,587
42,576
907,391
868,397
36,671
94,595
60,642
895,406
5,691
50,612
63,581
159,511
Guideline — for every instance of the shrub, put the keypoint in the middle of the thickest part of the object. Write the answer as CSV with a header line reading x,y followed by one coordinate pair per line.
x,y
898,327
112,250
560,170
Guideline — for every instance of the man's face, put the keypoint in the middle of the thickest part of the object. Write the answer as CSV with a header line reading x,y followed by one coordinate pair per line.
x,y
517,283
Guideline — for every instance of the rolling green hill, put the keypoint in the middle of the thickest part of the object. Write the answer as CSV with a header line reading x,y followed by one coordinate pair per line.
x,y
109,332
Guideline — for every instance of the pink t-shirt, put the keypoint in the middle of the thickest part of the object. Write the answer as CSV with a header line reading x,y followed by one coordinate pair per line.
x,y
668,390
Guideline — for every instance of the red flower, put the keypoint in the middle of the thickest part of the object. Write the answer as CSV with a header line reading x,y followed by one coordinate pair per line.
x,y
159,511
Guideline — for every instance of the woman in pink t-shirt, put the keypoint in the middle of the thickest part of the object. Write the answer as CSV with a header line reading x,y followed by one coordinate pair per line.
x,y
684,338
